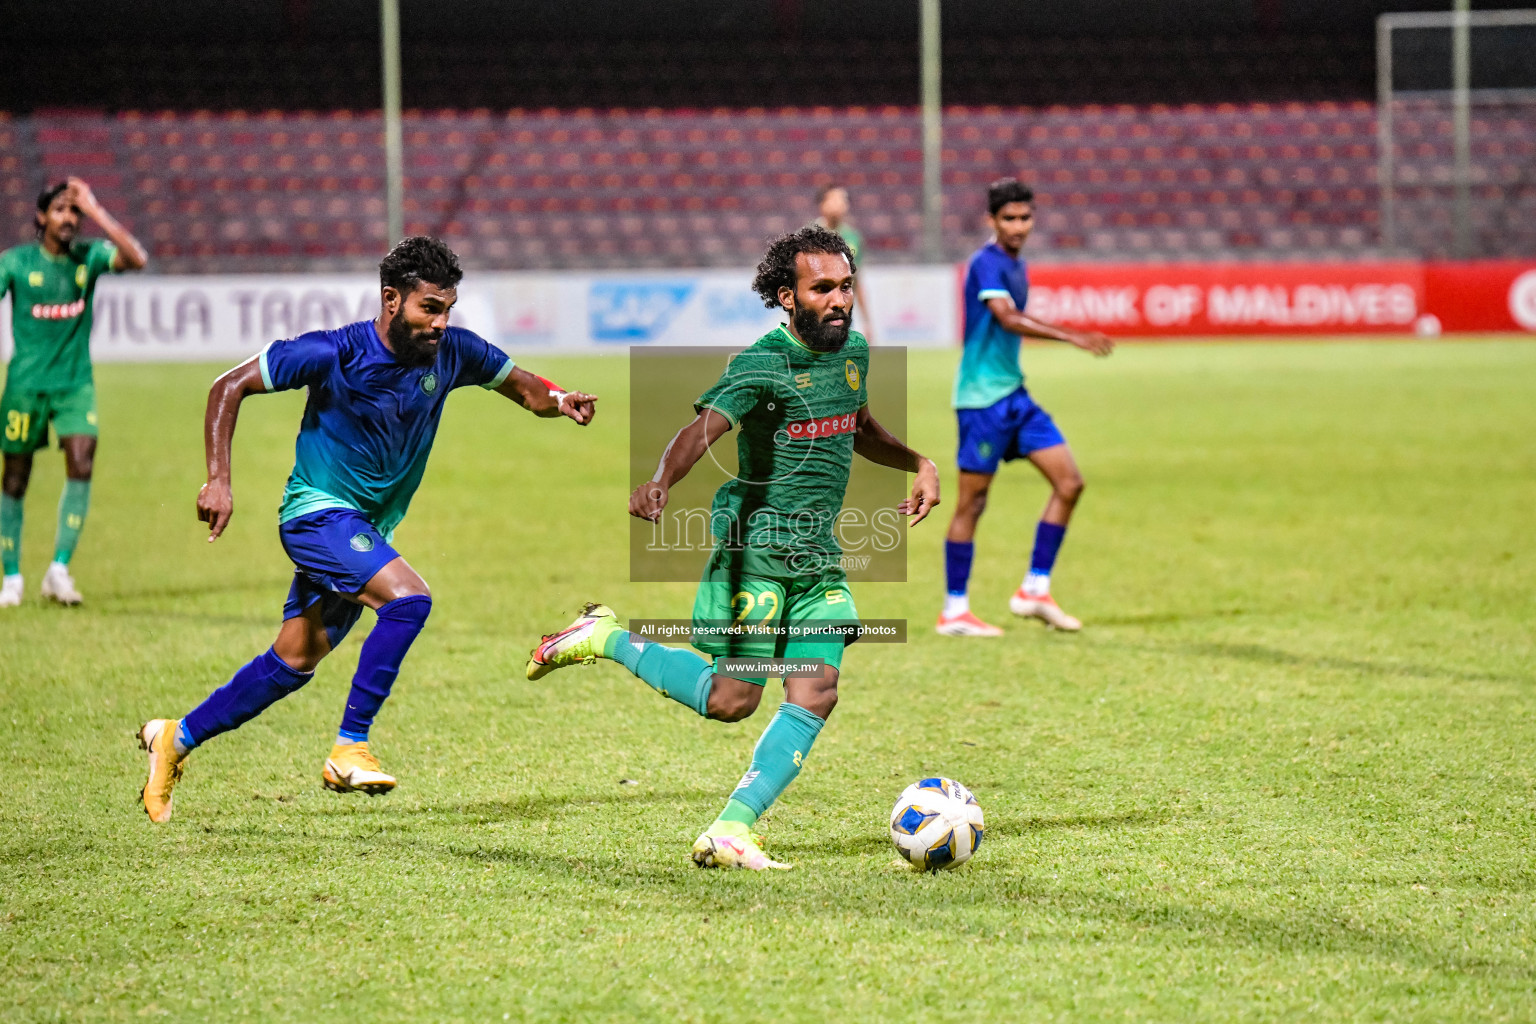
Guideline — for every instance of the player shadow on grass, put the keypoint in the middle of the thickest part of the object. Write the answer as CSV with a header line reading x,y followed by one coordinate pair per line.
x,y
1337,932
1275,656
130,594
538,806
998,826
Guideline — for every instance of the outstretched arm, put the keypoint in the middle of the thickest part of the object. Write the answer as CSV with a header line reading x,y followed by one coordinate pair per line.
x,y
215,501
130,254
1014,320
883,448
545,398
685,449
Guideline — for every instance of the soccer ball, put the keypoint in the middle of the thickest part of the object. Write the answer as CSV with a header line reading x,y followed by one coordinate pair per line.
x,y
936,824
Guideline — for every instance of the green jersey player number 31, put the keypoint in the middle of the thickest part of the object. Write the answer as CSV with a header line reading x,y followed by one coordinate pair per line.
x,y
52,284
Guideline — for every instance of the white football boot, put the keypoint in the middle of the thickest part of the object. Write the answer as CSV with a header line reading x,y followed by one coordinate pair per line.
x,y
59,586
730,844
1044,608
11,589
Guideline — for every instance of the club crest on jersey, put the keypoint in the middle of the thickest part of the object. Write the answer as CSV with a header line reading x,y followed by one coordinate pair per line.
x,y
851,371
362,542
429,382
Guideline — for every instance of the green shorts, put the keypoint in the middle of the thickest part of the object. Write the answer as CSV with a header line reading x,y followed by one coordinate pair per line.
x,y
25,416
789,605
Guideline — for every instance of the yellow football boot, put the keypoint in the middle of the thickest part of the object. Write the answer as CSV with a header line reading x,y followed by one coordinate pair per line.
x,y
165,766
352,768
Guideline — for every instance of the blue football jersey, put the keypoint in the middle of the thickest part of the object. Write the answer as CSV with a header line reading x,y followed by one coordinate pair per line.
x,y
370,421
989,365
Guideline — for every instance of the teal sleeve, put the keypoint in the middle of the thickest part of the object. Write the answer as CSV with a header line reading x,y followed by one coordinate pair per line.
x,y
501,376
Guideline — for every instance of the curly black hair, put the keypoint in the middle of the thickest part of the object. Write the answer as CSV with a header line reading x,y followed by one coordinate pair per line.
x,y
777,270
1007,190
416,259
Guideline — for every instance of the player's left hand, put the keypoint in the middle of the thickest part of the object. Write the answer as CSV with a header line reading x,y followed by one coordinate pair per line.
x,y
83,196
925,494
1093,341
579,406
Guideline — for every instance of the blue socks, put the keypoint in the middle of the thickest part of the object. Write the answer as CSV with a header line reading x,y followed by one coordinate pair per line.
x,y
777,758
1048,538
670,671
400,622
268,679
261,683
957,565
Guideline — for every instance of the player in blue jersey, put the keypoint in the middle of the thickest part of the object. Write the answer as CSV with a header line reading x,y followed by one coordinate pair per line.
x,y
376,394
1000,422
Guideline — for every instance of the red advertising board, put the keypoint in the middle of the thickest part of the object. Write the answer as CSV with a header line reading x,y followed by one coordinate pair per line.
x,y
1482,296
1398,297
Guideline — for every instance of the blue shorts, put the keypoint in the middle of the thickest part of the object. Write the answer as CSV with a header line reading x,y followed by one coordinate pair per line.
x,y
335,553
1008,429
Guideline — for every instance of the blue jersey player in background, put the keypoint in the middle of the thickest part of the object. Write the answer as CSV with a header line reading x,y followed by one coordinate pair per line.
x,y
376,394
1000,422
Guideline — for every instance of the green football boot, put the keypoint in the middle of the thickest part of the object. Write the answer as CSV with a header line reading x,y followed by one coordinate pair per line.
x,y
580,643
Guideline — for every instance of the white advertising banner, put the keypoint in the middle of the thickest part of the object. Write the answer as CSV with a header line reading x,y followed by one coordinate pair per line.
x,y
224,318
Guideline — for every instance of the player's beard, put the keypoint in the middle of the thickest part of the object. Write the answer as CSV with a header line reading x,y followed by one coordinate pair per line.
x,y
818,335
411,348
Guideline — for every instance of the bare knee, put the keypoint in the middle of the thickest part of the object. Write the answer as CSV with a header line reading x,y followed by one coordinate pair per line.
x,y
79,458
300,659
302,643
18,470
731,700
1070,489
816,694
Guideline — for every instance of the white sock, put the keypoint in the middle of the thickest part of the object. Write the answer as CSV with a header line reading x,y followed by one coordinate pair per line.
x,y
956,604
14,577
1037,584
59,566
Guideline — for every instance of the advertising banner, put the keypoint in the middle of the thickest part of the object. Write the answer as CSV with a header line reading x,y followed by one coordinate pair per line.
x,y
1484,296
1203,299
224,318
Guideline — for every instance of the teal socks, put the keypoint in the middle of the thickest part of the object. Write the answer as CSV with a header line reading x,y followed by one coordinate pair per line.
x,y
670,671
74,503
776,760
686,678
10,534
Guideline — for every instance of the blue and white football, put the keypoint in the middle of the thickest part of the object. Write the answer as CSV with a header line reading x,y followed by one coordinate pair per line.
x,y
936,824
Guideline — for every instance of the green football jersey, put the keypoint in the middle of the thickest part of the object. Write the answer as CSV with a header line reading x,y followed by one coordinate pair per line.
x,y
796,412
51,312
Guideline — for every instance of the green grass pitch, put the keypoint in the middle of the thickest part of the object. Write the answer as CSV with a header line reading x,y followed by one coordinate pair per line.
x,y
1285,772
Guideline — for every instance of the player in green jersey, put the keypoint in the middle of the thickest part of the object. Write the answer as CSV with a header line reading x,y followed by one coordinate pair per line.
x,y
832,213
799,399
52,283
